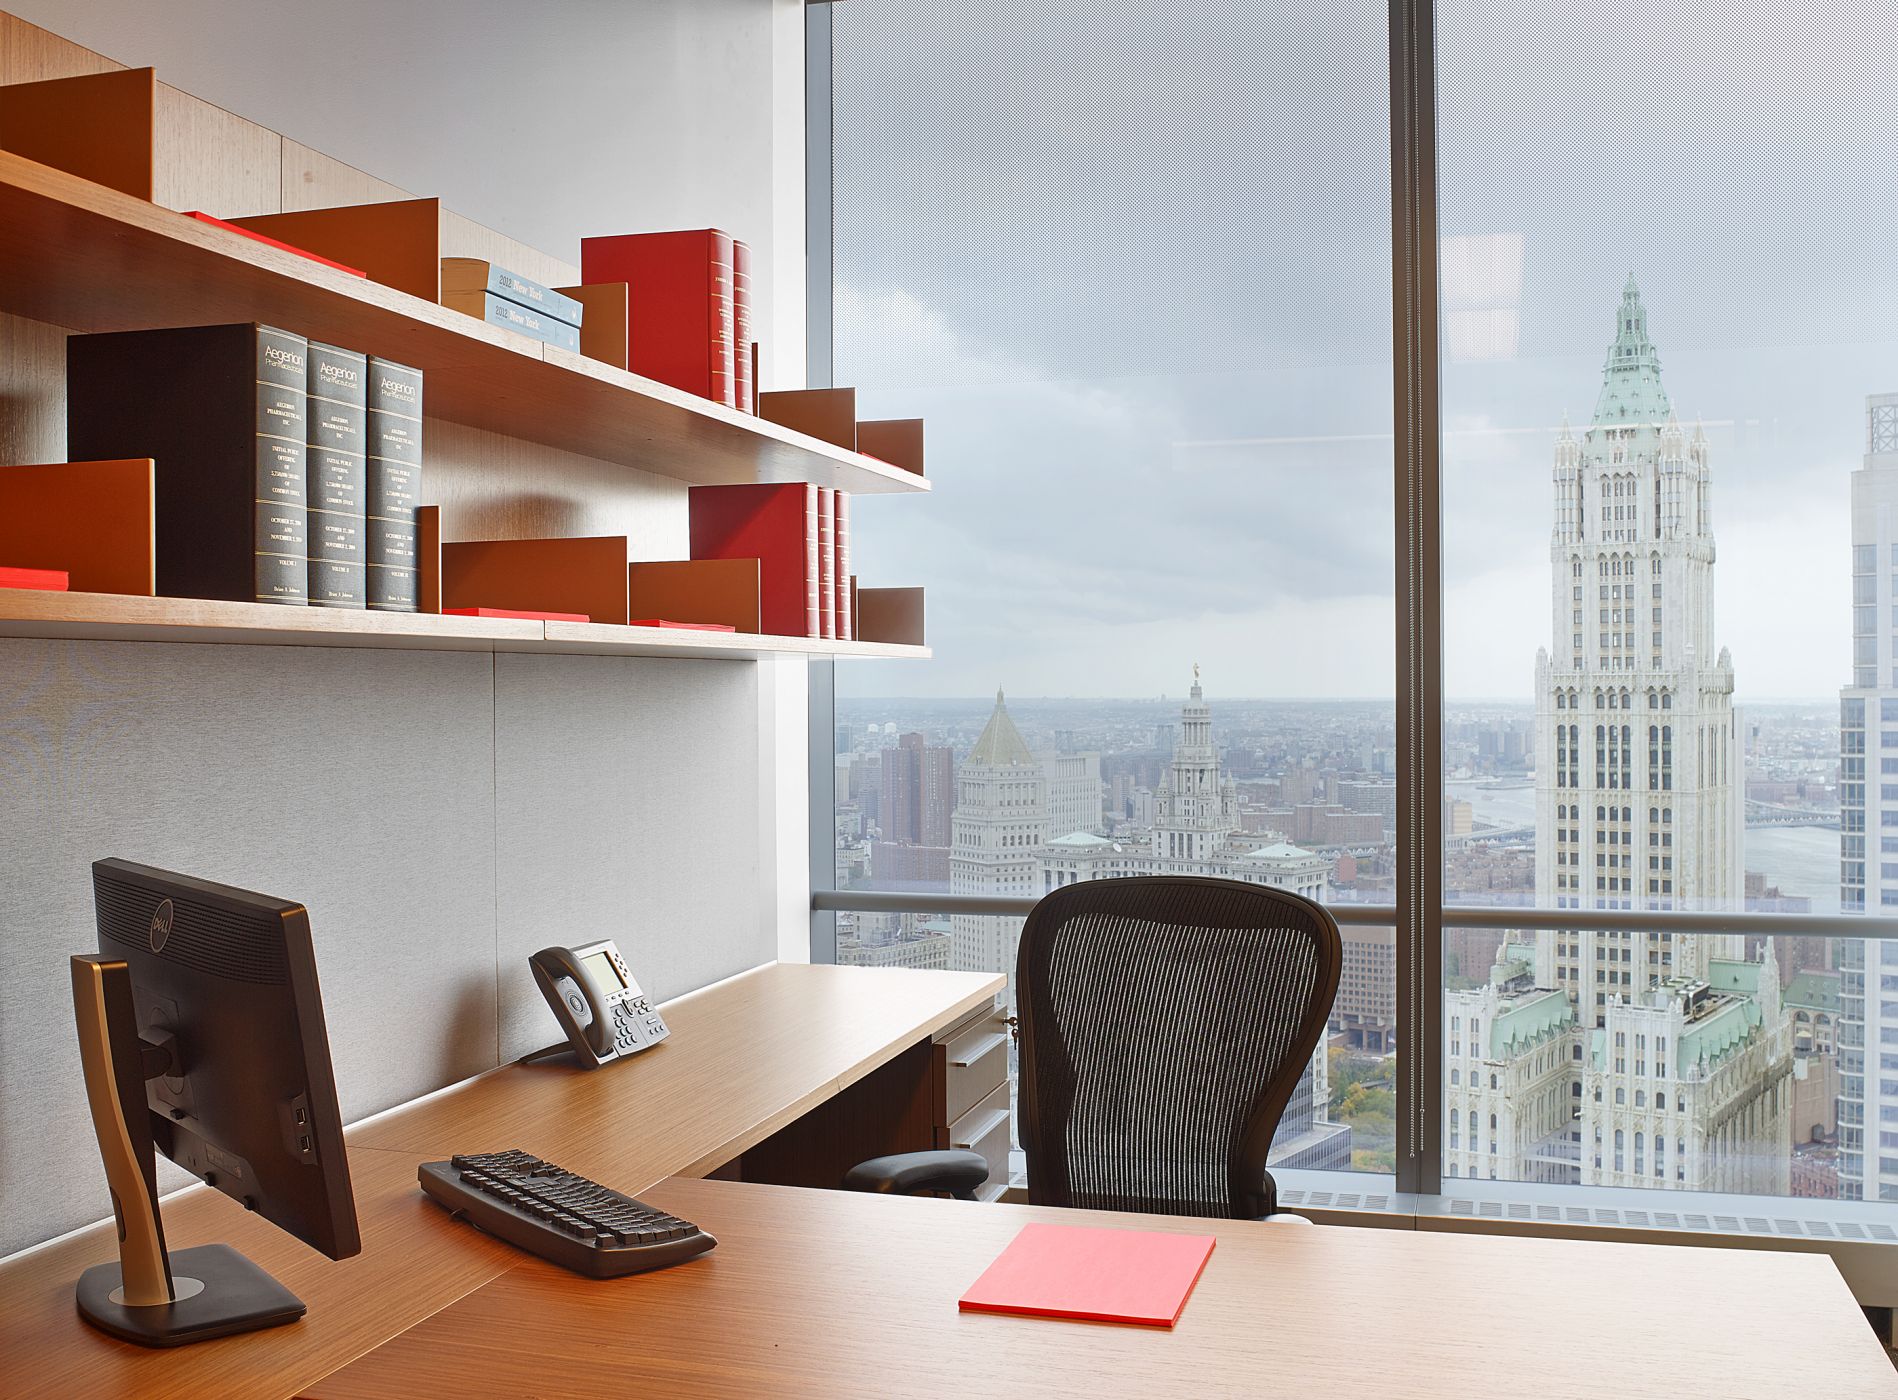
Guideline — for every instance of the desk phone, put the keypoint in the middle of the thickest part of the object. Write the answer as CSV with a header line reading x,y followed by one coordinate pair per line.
x,y
597,1002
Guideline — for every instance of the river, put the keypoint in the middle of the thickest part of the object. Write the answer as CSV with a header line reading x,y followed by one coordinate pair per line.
x,y
1801,860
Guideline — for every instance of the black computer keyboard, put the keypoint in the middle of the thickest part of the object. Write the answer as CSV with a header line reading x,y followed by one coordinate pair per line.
x,y
547,1210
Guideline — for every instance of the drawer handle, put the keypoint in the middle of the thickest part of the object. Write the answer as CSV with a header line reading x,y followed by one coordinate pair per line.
x,y
983,1047
997,1118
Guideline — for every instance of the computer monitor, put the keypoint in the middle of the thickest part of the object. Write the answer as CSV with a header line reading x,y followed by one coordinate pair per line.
x,y
201,1034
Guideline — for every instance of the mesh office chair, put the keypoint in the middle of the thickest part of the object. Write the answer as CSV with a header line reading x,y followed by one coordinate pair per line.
x,y
1164,1021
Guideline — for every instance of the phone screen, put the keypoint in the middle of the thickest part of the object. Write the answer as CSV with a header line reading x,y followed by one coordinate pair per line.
x,y
600,966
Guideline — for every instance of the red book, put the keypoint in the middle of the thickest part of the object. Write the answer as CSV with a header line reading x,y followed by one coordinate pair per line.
x,y
45,580
682,626
845,630
1097,1275
743,387
826,562
205,218
516,612
777,526
678,305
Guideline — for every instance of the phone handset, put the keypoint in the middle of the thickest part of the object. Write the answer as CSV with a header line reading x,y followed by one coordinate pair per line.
x,y
596,1001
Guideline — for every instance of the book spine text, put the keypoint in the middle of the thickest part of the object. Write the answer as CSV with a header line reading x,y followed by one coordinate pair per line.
x,y
338,410
280,538
392,484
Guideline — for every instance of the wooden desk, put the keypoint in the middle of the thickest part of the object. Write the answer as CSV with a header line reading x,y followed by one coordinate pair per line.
x,y
820,1293
745,1058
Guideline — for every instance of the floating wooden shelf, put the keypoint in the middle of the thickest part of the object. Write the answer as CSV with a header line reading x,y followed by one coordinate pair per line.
x,y
80,255
113,617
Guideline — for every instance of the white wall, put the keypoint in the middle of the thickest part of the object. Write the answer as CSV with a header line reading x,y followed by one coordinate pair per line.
x,y
545,121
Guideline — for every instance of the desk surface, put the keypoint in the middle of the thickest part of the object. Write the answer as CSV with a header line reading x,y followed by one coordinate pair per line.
x,y
745,1057
820,1293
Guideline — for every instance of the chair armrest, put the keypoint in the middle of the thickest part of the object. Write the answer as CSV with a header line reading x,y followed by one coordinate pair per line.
x,y
906,1173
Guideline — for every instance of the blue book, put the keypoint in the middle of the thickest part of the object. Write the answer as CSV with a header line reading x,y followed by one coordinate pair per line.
x,y
499,311
479,275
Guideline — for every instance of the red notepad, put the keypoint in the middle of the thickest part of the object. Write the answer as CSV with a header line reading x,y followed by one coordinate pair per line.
x,y
516,612
1099,1275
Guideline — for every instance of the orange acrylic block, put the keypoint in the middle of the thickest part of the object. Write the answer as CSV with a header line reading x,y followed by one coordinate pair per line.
x,y
94,520
397,243
603,325
567,576
830,415
718,592
898,441
890,615
97,126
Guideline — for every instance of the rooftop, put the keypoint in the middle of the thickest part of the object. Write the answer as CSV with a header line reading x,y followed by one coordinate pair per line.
x,y
1001,744
1815,991
1280,850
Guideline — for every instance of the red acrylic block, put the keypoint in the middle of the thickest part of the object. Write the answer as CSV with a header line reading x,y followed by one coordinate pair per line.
x,y
514,612
45,580
682,626
203,217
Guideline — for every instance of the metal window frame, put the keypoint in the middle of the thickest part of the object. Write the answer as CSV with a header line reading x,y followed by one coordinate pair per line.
x,y
819,286
1420,913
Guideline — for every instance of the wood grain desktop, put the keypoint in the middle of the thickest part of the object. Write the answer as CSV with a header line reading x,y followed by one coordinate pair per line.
x,y
746,1056
824,1293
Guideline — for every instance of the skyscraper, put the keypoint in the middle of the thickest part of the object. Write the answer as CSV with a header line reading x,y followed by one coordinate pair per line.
x,y
1634,675
1868,707
999,825
917,792
1613,1057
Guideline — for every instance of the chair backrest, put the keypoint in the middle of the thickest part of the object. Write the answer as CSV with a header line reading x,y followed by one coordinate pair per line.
x,y
1165,1021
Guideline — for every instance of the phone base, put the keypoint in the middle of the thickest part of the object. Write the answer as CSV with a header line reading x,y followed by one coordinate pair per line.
x,y
234,1295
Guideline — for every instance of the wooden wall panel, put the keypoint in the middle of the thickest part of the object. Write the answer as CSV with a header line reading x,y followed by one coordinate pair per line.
x,y
464,238
312,180
32,391
214,160
29,53
499,488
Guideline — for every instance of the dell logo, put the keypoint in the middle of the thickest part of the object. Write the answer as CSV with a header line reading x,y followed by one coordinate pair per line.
x,y
161,925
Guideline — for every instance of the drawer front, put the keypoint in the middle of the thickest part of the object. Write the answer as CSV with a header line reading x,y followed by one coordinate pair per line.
x,y
984,1129
973,1064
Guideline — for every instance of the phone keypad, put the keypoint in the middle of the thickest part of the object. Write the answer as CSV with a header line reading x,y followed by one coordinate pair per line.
x,y
635,1023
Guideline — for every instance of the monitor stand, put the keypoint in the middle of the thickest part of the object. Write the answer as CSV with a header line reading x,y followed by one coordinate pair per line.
x,y
151,1297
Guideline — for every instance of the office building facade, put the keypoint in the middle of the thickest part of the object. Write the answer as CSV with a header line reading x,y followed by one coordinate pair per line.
x,y
1675,1069
1868,838
999,824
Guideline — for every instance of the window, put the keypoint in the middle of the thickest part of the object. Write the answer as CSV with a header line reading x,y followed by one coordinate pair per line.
x,y
1188,479
924,802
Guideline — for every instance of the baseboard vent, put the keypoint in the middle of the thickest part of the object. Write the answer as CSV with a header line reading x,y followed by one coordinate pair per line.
x,y
1333,1200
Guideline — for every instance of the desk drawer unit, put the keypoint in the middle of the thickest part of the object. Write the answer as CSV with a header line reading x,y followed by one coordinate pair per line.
x,y
971,1059
985,1129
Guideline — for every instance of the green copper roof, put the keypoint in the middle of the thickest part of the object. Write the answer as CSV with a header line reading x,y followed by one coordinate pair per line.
x,y
1716,1033
1815,991
1527,1021
1724,975
1278,850
1001,743
1631,392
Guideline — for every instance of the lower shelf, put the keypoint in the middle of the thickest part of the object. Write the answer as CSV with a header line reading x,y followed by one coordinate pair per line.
x,y
112,617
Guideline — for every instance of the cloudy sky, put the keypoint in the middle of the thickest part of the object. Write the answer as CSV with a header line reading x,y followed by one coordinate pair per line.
x,y
1131,262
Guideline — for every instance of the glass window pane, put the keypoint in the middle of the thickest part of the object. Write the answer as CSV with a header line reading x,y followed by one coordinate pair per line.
x,y
1706,327
1146,317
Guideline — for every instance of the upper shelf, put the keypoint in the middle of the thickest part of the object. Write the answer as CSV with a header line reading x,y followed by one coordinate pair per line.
x,y
114,617
89,258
